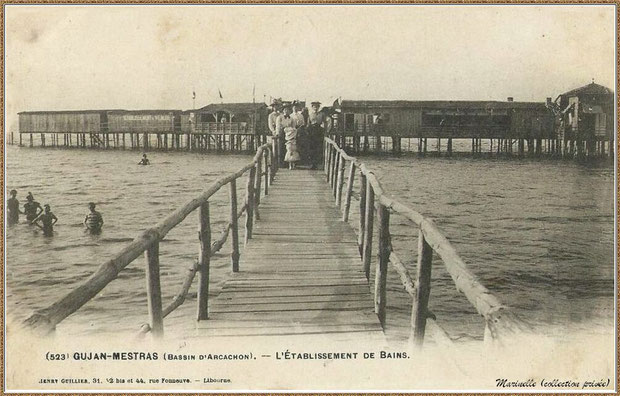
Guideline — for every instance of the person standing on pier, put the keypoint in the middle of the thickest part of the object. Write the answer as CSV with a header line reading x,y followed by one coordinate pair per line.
x,y
318,124
287,133
272,120
300,124
47,219
13,211
273,116
93,220
32,209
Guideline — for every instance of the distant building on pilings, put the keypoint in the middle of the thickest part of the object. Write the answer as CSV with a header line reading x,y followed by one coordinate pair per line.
x,y
585,123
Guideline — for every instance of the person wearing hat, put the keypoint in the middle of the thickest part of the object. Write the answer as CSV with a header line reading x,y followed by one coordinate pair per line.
x,y
271,122
12,205
285,124
93,220
297,114
47,219
273,116
32,209
318,123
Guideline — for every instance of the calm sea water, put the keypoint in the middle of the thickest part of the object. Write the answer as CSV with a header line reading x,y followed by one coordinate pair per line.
x,y
538,234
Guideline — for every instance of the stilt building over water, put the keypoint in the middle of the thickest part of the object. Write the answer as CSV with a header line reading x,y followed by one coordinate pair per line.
x,y
579,123
586,120
227,126
365,124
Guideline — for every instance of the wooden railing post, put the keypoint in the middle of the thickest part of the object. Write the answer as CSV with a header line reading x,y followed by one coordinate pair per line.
x,y
340,182
347,196
257,188
325,151
384,257
204,261
234,226
249,210
266,160
332,167
419,311
274,163
153,289
334,180
277,152
368,228
362,227
328,158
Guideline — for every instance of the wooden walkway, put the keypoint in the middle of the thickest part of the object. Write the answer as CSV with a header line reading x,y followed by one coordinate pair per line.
x,y
300,274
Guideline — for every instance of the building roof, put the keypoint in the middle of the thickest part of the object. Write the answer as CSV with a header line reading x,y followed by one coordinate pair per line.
x,y
145,111
69,111
113,111
590,89
234,108
442,104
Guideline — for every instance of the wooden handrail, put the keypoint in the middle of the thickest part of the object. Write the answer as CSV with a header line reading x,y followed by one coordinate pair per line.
x,y
44,321
500,321
179,298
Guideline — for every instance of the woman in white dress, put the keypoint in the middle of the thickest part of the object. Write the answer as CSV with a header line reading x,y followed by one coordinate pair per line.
x,y
287,129
292,155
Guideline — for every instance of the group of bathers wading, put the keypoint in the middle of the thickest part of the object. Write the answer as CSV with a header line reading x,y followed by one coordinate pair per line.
x,y
43,217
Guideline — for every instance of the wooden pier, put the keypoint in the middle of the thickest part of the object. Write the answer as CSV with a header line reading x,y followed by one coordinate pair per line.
x,y
304,271
301,272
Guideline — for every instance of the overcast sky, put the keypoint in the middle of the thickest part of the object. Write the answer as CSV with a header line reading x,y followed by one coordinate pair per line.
x,y
147,57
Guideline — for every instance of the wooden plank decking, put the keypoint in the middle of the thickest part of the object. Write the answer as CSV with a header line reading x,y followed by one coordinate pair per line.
x,y
300,274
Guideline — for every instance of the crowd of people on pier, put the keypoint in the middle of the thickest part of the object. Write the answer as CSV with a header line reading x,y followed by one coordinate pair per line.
x,y
299,131
43,217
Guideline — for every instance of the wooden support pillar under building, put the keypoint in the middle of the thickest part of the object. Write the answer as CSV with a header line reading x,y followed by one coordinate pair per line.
x,y
449,147
396,144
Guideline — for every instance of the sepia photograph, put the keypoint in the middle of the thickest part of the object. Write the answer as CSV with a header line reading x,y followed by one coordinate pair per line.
x,y
309,198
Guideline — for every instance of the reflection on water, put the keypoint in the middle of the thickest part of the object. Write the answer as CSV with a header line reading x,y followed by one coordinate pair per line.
x,y
539,235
